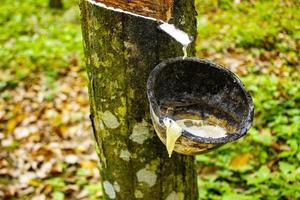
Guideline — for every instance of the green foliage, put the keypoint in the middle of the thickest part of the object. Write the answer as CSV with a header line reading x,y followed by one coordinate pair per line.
x,y
260,24
58,195
93,190
57,182
265,164
37,39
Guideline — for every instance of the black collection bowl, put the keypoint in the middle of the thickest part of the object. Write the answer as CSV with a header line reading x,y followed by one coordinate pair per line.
x,y
202,89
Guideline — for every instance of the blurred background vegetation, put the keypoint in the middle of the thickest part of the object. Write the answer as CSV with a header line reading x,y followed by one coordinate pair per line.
x,y
45,153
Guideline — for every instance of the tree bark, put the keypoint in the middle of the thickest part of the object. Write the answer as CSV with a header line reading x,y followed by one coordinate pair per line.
x,y
159,9
55,4
120,51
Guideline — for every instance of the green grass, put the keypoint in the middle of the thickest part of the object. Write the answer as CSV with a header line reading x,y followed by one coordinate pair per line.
x,y
39,41
263,24
265,164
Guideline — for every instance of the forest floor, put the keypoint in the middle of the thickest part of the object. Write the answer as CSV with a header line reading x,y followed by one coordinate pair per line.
x,y
46,143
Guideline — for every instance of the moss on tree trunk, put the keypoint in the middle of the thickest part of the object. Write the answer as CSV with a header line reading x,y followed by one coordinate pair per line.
x,y
120,51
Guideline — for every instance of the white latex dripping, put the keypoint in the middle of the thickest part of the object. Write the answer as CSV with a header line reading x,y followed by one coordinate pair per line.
x,y
180,36
174,131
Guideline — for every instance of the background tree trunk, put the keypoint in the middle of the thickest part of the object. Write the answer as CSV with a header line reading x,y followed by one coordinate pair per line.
x,y
55,4
120,51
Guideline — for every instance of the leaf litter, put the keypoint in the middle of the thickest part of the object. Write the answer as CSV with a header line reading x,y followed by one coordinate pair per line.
x,y
44,140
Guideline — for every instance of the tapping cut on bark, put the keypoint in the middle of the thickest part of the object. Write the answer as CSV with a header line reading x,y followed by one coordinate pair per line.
x,y
158,9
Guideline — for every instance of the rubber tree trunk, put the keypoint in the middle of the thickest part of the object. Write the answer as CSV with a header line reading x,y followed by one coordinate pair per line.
x,y
55,4
120,51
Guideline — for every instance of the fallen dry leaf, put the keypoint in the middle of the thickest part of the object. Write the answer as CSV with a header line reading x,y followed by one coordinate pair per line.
x,y
240,160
